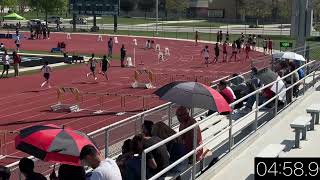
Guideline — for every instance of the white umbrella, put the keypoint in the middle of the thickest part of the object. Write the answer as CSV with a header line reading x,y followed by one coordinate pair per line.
x,y
289,55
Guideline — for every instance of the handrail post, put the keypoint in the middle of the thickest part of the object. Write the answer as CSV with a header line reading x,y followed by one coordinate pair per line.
x,y
170,116
143,166
256,112
314,78
276,100
304,86
192,112
230,132
194,159
106,144
141,121
291,90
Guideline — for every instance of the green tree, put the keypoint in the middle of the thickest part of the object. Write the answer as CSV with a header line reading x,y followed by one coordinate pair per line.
x,y
11,4
284,12
146,6
257,9
128,5
176,6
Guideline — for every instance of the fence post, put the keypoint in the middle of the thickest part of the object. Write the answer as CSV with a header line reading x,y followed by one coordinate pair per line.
x,y
291,90
194,159
230,132
169,116
304,85
106,144
192,112
143,166
276,100
314,78
256,112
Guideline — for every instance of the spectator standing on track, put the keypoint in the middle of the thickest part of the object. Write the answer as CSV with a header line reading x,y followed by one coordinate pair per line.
x,y
220,37
265,46
6,63
234,51
18,42
216,52
26,167
270,46
227,36
186,121
123,53
4,173
205,54
225,52
238,43
105,66
93,63
16,63
254,42
46,69
197,37
248,49
110,46
104,169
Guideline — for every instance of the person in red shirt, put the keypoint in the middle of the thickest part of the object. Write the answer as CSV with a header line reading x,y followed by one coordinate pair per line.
x,y
186,121
248,49
16,63
226,92
225,52
270,46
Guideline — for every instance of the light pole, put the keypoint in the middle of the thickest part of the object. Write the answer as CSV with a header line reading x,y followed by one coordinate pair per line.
x,y
157,15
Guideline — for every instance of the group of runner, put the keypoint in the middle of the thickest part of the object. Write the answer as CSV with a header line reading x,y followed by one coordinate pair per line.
x,y
247,44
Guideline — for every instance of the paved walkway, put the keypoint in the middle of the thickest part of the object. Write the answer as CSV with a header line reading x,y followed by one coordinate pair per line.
x,y
242,166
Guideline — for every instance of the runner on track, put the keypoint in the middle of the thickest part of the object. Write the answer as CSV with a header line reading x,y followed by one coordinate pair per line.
x,y
93,63
205,53
46,69
105,64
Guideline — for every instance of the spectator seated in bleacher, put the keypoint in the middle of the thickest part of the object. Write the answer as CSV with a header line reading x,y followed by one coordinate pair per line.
x,y
67,172
161,154
127,154
4,173
227,93
185,121
175,147
26,167
2,47
102,168
239,87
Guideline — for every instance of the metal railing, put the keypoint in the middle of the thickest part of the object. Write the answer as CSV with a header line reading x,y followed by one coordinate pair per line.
x,y
231,123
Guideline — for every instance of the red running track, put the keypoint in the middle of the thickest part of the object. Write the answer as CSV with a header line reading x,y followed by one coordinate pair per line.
x,y
23,103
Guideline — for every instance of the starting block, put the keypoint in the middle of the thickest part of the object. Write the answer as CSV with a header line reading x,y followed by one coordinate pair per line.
x,y
100,38
148,84
67,107
166,51
158,49
68,36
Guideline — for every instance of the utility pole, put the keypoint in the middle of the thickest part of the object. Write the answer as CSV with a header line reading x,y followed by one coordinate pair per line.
x,y
157,15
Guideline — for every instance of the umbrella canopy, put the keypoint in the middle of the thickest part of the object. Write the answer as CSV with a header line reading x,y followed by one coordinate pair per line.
x,y
52,143
193,94
267,76
13,16
289,55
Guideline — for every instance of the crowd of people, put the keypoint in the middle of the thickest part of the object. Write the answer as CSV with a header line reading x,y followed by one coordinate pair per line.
x,y
243,43
39,31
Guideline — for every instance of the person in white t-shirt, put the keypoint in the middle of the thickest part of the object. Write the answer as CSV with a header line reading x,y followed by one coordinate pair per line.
x,y
205,53
6,63
46,69
103,169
